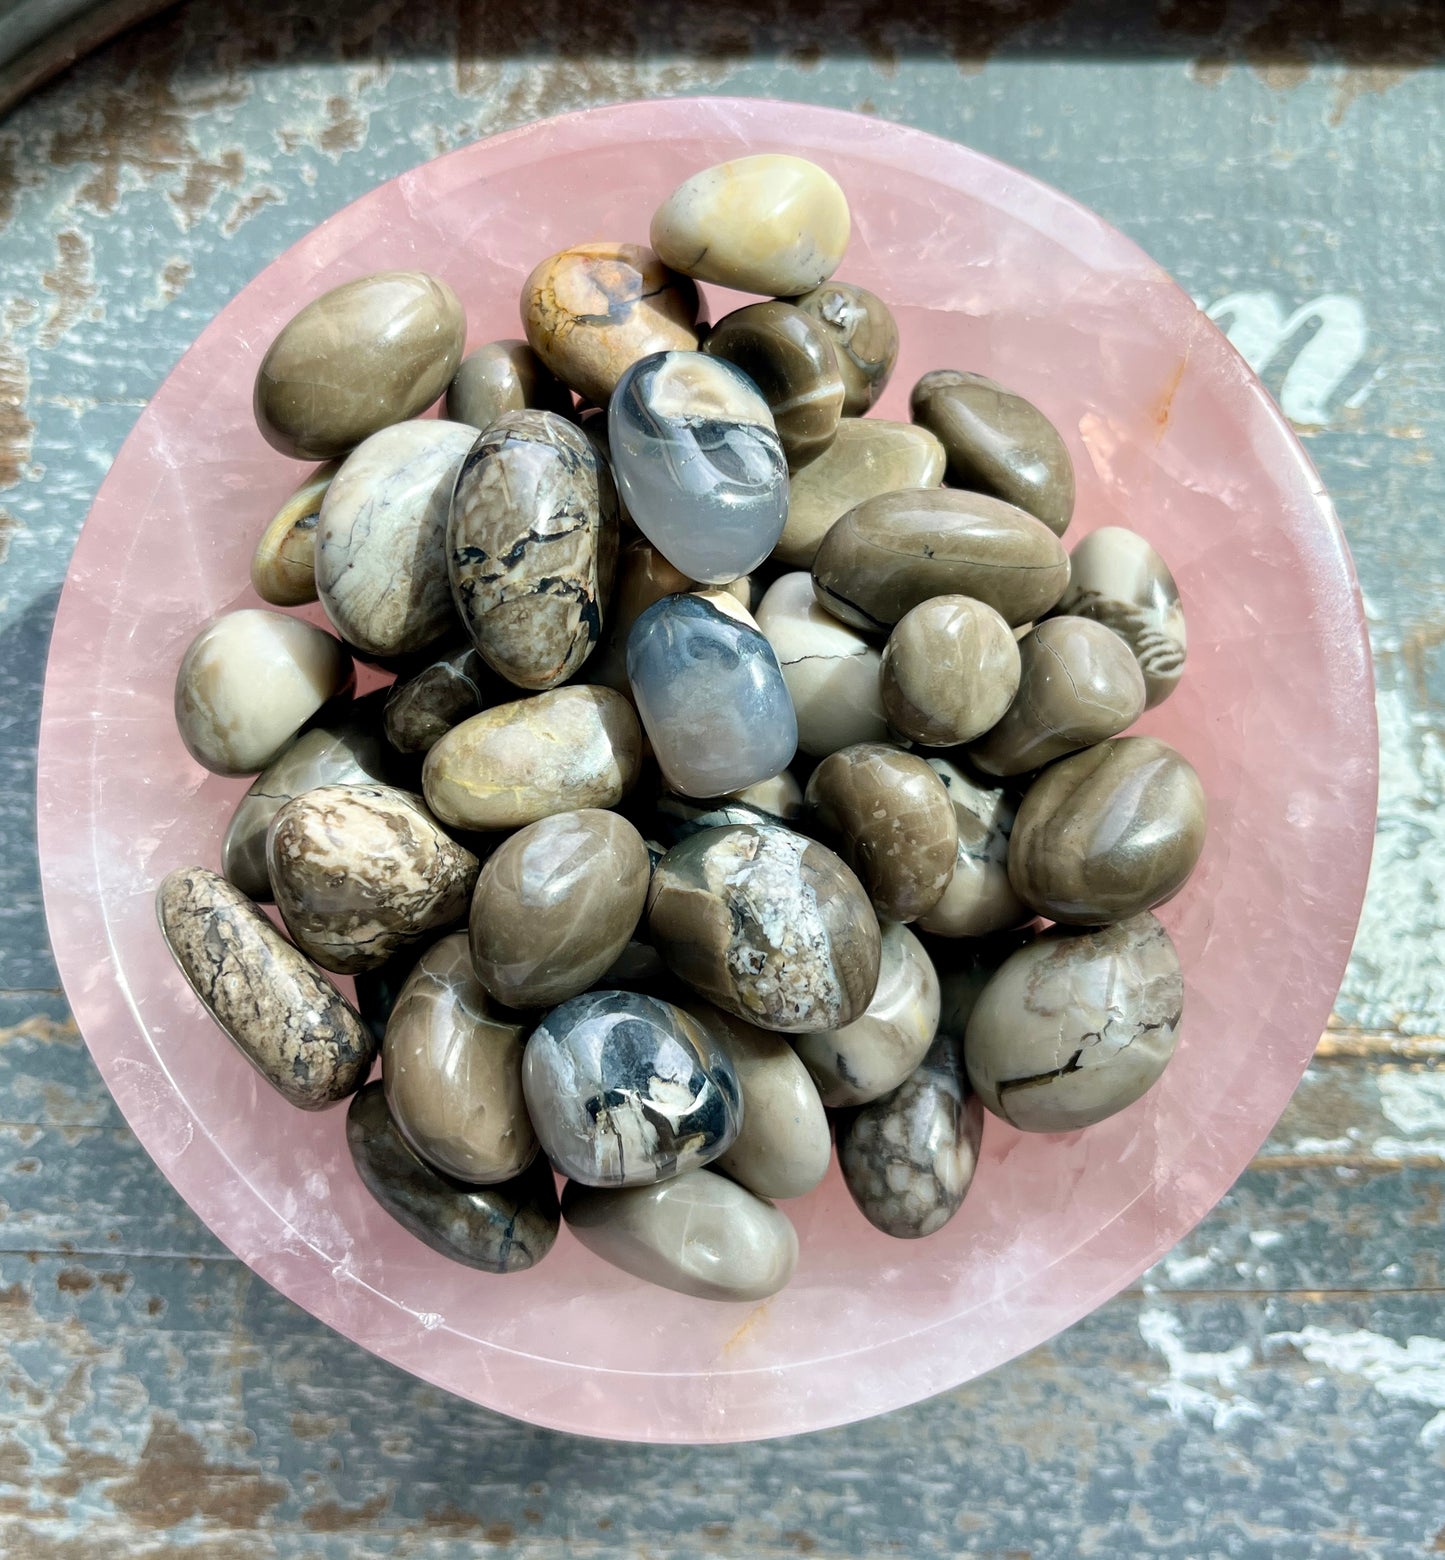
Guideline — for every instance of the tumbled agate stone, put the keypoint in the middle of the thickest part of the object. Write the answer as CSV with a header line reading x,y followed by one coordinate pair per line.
x,y
711,696
699,463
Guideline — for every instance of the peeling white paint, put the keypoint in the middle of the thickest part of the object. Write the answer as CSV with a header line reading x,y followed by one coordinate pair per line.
x,y
1413,1101
1186,1270
1181,1394
1265,1240
1410,1373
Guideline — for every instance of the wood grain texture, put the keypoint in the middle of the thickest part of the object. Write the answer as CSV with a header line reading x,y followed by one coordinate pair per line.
x,y
1276,1386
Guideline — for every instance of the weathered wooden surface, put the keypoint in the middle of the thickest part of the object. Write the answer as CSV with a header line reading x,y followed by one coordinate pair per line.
x,y
1276,1386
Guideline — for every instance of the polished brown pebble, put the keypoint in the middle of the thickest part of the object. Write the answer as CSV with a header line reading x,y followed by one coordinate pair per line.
x,y
950,671
1079,684
889,817
591,311
360,871
572,747
367,354
283,567
1109,832
555,906
864,336
788,356
281,1012
421,709
767,925
1076,1026
892,552
504,376
998,443
979,898
506,1228
452,1066
1116,577
532,547
868,456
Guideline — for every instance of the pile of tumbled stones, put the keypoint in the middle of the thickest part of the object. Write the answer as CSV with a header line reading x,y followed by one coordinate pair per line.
x,y
739,746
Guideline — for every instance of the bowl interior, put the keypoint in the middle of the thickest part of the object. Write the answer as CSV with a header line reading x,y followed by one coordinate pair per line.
x,y
1170,434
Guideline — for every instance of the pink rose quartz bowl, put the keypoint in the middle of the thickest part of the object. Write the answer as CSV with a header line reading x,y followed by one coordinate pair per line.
x,y
1171,434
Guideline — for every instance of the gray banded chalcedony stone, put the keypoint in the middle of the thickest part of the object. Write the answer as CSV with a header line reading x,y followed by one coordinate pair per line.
x,y
1076,1026
451,1061
247,684
768,925
711,697
1109,832
998,443
532,546
876,1052
699,1234
346,750
555,906
359,871
505,1228
892,552
283,567
504,376
699,463
788,356
864,336
624,1089
979,898
421,709
1078,684
889,817
372,352
1117,578
908,1158
381,555
284,1016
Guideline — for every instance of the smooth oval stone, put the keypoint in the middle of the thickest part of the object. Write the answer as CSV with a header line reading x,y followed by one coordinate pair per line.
x,y
504,376
950,671
864,338
1107,833
281,1012
699,1234
770,224
699,463
451,1063
998,443
788,356
361,870
369,353
890,553
532,545
247,684
1076,1026
283,567
868,457
592,311
830,670
624,1090
979,898
420,710
908,1158
506,1228
555,906
767,925
381,548
1078,684
785,1144
1118,579
346,751
568,748
863,1060
890,818
711,696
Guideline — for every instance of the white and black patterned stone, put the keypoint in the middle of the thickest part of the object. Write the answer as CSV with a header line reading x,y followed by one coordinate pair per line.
x,y
284,1016
624,1090
505,1228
